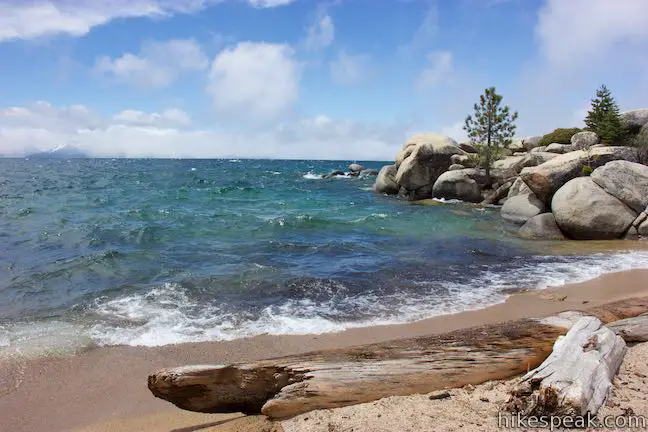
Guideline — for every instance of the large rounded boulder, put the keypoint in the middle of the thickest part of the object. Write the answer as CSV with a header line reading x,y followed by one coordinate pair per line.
x,y
541,227
465,185
423,159
545,179
386,181
521,208
626,181
634,120
585,211
584,140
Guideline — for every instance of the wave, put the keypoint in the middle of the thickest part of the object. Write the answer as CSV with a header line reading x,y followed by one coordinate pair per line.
x,y
313,176
169,314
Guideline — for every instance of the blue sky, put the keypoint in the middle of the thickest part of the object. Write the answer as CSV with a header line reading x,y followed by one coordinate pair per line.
x,y
340,79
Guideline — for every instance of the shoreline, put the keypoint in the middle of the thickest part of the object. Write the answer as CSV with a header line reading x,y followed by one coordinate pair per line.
x,y
107,383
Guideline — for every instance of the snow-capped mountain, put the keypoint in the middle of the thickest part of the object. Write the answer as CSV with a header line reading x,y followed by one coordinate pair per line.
x,y
64,151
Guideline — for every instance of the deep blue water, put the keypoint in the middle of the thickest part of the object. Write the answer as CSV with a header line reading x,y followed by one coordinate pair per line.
x,y
161,251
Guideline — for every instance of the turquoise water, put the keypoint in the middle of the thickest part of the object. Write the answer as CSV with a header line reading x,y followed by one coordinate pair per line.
x,y
151,252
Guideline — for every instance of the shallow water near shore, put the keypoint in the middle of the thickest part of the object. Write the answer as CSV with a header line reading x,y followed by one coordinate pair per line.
x,y
154,252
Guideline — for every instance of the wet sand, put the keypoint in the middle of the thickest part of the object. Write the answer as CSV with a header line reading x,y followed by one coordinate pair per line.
x,y
105,388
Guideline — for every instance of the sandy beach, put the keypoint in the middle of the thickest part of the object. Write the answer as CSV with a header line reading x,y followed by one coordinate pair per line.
x,y
105,388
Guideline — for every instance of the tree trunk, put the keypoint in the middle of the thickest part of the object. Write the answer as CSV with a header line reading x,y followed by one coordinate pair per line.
x,y
576,378
292,385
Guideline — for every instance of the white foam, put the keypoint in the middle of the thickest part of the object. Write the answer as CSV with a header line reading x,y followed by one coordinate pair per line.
x,y
41,338
312,176
447,201
371,216
169,314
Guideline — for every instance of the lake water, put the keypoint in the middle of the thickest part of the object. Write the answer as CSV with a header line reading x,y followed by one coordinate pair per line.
x,y
153,252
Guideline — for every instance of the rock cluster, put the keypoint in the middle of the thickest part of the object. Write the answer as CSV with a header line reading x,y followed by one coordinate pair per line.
x,y
583,190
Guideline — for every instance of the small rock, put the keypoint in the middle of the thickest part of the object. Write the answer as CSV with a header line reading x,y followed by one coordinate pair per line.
x,y
484,399
628,411
439,395
334,173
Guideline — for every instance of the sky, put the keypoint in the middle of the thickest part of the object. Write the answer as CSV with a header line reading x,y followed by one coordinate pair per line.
x,y
302,79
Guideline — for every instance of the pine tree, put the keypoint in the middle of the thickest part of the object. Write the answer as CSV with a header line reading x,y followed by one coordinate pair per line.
x,y
491,128
603,118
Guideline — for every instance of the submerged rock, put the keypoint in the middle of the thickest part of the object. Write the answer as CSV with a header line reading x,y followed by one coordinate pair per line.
x,y
585,211
369,172
334,173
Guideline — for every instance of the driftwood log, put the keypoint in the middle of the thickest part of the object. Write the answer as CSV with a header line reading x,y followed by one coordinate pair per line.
x,y
576,378
632,329
287,386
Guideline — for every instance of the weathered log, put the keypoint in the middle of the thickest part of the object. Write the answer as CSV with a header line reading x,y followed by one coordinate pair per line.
x,y
292,385
576,378
632,329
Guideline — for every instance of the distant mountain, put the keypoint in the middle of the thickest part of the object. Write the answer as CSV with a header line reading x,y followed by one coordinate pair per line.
x,y
64,151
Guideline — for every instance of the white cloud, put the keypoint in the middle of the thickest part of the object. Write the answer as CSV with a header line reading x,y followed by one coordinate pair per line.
x,y
440,67
157,65
321,32
270,3
44,115
581,44
168,117
29,19
136,134
348,68
256,81
575,30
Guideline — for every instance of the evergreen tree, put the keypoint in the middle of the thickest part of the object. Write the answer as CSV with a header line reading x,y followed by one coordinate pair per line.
x,y
603,118
491,128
